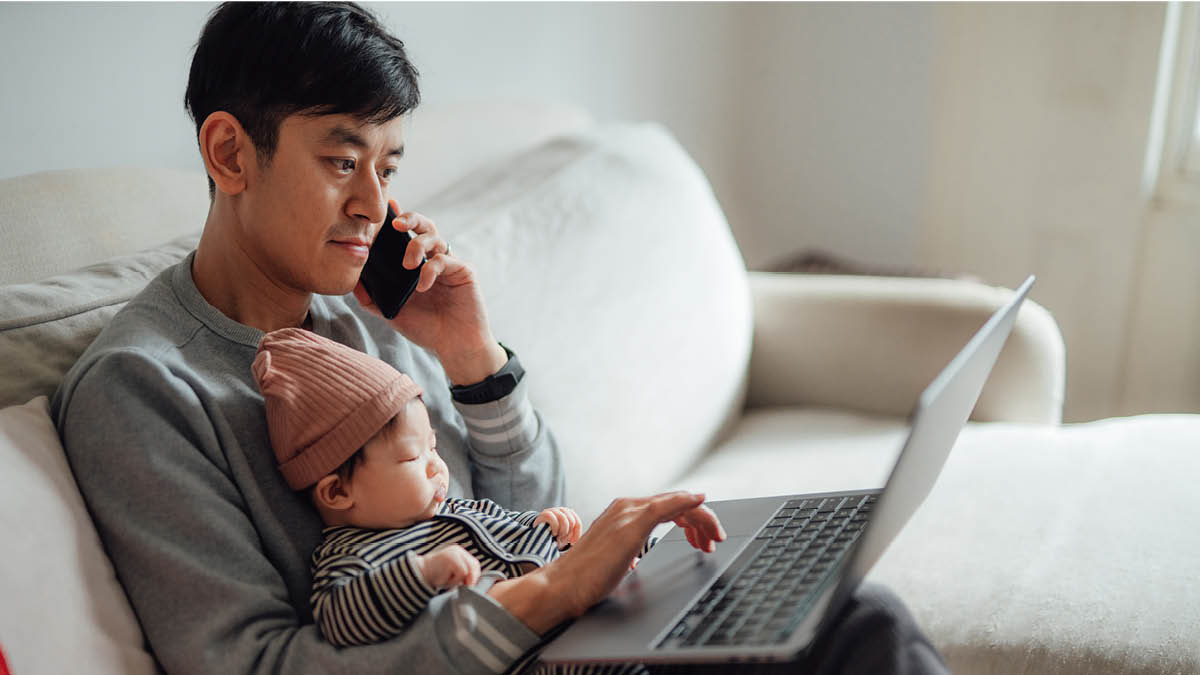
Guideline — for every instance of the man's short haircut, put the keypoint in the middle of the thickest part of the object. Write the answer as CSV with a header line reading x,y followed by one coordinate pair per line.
x,y
262,62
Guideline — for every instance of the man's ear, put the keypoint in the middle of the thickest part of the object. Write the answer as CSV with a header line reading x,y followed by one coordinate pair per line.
x,y
331,492
227,151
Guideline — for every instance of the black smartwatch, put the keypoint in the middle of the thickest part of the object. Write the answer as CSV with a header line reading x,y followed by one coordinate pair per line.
x,y
493,387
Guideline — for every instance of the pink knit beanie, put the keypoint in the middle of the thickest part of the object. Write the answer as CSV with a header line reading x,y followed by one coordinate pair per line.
x,y
324,401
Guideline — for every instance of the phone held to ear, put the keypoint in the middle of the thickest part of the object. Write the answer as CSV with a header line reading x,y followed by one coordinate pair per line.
x,y
383,276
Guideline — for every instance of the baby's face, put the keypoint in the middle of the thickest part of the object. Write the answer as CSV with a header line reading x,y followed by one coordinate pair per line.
x,y
401,480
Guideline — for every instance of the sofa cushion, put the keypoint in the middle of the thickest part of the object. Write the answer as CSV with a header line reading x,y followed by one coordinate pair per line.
x,y
64,611
46,325
1040,549
608,266
1060,549
53,222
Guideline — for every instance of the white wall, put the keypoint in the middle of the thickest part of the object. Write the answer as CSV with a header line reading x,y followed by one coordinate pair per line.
x,y
95,84
1043,115
994,140
833,133
794,111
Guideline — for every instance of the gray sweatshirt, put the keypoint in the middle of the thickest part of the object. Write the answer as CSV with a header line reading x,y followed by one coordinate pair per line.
x,y
166,434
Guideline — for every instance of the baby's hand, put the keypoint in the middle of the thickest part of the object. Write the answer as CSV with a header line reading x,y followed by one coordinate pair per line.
x,y
448,567
564,524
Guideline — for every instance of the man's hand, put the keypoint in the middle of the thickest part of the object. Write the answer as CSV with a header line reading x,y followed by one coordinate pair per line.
x,y
445,314
448,567
564,523
571,584
604,553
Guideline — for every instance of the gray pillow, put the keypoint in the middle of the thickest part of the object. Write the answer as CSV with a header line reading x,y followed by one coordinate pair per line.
x,y
46,325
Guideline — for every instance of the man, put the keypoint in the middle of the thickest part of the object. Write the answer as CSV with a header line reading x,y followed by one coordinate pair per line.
x,y
299,118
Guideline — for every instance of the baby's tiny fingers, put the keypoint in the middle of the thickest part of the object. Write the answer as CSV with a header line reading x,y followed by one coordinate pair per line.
x,y
576,527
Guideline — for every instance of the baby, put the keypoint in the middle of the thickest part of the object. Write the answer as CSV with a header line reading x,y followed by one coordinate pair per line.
x,y
354,433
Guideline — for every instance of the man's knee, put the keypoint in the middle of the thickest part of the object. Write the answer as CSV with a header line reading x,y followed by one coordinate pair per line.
x,y
875,632
882,602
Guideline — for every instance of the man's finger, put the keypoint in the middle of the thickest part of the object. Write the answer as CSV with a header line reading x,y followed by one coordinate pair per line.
x,y
429,273
421,224
422,247
704,521
670,505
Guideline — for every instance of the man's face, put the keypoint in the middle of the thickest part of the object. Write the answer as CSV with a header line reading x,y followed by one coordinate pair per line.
x,y
308,219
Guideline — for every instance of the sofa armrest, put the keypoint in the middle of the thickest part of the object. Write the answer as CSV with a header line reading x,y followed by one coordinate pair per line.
x,y
872,344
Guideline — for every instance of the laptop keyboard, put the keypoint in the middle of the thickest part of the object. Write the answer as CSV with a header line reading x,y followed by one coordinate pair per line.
x,y
766,592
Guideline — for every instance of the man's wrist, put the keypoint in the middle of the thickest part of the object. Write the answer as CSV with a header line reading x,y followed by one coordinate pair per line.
x,y
474,366
494,387
531,600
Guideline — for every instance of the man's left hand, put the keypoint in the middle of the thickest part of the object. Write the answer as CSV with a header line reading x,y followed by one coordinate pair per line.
x,y
445,314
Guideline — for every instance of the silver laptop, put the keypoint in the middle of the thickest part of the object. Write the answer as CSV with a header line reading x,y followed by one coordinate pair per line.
x,y
790,562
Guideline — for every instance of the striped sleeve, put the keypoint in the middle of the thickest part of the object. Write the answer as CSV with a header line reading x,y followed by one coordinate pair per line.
x,y
363,603
650,542
525,518
493,509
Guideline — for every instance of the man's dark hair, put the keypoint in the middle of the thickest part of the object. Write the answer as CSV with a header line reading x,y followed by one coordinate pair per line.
x,y
262,62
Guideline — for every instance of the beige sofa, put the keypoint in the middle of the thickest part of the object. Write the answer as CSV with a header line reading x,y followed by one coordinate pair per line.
x,y
660,362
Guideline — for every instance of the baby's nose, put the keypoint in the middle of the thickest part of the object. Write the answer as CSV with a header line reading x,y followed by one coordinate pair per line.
x,y
431,469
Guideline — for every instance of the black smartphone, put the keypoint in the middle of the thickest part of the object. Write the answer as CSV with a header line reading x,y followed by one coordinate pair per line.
x,y
383,276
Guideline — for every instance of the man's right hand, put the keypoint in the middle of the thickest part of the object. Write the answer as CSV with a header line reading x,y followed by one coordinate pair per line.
x,y
568,586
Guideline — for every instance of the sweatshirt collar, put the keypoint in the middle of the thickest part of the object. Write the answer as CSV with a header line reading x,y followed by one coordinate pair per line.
x,y
189,296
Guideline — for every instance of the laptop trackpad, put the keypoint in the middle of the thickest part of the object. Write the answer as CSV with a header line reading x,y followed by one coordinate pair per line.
x,y
623,625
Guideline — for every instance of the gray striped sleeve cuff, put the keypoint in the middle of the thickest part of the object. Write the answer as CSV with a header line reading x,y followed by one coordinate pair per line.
x,y
483,637
499,427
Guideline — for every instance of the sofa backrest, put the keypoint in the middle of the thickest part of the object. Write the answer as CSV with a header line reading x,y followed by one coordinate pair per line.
x,y
607,265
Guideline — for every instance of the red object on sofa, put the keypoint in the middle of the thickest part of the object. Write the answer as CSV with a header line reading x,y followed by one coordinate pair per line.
x,y
3,664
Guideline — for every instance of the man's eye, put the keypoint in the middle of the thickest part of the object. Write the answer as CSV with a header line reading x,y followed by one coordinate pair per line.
x,y
388,173
344,164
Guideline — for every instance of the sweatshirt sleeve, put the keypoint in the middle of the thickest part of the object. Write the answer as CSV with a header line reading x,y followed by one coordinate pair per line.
x,y
209,597
514,456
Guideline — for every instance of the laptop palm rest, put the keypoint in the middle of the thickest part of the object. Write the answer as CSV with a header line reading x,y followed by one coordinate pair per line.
x,y
623,624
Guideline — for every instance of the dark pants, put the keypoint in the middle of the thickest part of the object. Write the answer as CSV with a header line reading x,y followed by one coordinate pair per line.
x,y
873,634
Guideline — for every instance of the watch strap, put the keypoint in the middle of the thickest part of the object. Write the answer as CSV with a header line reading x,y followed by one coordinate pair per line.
x,y
493,387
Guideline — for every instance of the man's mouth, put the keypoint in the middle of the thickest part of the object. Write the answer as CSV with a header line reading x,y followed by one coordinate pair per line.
x,y
356,246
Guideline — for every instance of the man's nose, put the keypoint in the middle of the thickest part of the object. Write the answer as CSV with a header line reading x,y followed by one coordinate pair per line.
x,y
370,200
